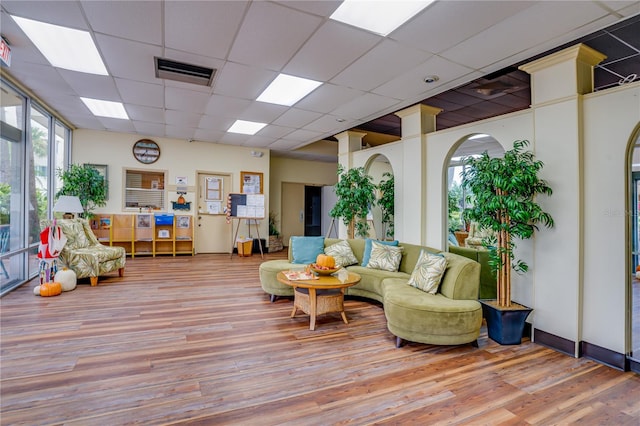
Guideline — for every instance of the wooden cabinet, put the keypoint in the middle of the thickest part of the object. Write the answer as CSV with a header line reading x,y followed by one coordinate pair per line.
x,y
145,233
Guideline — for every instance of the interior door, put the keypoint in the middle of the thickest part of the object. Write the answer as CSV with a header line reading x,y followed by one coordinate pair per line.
x,y
313,210
213,233
292,211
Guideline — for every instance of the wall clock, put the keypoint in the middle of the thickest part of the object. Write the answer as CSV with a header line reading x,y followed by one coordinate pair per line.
x,y
146,151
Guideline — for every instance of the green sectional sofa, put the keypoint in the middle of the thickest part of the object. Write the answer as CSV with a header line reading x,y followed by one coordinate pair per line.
x,y
488,289
452,316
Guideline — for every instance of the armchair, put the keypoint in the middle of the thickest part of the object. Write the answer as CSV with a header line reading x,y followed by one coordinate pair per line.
x,y
476,234
84,254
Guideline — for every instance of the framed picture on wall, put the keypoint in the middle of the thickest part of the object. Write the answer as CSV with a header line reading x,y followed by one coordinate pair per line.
x,y
251,182
103,169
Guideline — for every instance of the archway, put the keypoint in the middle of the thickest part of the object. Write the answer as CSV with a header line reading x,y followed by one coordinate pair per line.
x,y
380,170
633,257
474,144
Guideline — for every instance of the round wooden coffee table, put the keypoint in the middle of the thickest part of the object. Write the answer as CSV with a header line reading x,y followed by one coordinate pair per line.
x,y
319,296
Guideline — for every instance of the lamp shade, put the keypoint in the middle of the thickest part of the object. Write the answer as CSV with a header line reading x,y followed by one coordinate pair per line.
x,y
68,204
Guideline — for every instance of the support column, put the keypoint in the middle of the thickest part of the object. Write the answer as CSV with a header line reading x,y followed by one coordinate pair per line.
x,y
411,183
348,142
558,82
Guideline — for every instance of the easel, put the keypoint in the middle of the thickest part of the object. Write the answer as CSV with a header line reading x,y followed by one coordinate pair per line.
x,y
235,235
332,227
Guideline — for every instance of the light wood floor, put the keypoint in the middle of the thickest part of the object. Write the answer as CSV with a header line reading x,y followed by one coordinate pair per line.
x,y
194,340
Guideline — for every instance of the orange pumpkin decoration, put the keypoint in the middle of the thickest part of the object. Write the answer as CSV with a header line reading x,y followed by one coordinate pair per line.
x,y
326,260
50,289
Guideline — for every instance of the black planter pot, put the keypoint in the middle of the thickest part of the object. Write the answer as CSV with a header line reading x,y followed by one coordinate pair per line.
x,y
505,326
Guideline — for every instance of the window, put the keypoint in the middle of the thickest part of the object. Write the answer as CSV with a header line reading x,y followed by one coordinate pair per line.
x,y
145,189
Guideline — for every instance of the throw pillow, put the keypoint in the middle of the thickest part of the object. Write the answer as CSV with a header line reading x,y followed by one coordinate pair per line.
x,y
428,272
306,249
342,253
385,257
367,249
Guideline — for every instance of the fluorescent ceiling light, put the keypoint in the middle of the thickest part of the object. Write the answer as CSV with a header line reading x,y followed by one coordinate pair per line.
x,y
106,108
479,136
380,16
287,90
64,47
246,127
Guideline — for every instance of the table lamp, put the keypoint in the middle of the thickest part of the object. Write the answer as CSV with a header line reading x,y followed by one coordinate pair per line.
x,y
68,204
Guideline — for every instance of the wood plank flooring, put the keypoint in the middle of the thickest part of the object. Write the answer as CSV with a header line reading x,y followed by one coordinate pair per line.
x,y
195,340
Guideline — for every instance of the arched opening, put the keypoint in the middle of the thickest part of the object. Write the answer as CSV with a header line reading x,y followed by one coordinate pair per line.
x,y
633,226
475,144
382,213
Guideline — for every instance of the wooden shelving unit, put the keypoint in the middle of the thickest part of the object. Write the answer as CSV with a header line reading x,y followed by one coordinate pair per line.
x,y
146,234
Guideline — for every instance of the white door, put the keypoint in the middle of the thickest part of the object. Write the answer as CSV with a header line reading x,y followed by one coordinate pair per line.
x,y
213,233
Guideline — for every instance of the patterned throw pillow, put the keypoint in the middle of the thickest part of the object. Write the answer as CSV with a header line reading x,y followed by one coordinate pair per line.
x,y
367,248
385,257
428,272
342,253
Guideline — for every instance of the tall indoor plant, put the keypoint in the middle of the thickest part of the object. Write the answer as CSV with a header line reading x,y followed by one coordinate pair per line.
x,y
86,183
387,203
356,194
504,191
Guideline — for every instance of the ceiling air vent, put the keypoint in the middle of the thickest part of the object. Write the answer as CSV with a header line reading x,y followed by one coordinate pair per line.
x,y
186,73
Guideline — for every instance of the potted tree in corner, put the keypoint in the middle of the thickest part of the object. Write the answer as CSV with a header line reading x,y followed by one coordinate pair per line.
x,y
356,194
275,239
387,204
504,190
87,184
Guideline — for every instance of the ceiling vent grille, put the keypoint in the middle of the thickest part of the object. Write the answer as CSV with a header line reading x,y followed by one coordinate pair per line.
x,y
186,73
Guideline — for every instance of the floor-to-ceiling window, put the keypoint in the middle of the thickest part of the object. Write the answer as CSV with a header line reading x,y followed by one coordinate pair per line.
x,y
33,145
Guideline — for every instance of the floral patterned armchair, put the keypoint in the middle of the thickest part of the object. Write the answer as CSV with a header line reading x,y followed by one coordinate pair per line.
x,y
476,235
84,254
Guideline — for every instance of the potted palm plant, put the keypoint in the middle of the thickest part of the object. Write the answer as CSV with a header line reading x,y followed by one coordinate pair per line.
x,y
504,191
387,204
275,239
356,194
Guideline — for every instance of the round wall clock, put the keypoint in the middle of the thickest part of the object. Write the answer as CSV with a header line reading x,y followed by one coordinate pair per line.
x,y
146,151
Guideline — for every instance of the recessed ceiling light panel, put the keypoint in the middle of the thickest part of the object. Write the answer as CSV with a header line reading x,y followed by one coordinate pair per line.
x,y
287,90
246,127
64,47
380,17
108,109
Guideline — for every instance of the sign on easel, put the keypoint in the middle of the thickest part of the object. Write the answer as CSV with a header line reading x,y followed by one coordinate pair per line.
x,y
246,206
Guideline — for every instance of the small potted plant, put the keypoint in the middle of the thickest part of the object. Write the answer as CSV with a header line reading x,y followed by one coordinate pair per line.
x,y
504,191
275,239
356,195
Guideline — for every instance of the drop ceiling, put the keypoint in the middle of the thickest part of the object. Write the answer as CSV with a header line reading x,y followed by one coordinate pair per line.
x,y
469,45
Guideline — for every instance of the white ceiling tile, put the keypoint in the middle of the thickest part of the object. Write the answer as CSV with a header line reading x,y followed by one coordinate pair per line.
x,y
242,81
65,13
302,135
234,138
217,23
207,135
91,85
256,141
412,82
491,45
133,20
186,100
179,132
328,124
140,93
330,50
117,125
431,29
226,106
262,112
182,118
215,122
149,129
366,104
127,59
271,34
322,8
380,64
295,117
145,113
284,144
275,132
328,97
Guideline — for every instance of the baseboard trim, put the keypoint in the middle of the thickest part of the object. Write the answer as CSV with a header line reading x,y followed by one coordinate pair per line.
x,y
558,343
603,355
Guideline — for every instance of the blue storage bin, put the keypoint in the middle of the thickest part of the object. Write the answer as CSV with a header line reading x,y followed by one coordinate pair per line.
x,y
164,219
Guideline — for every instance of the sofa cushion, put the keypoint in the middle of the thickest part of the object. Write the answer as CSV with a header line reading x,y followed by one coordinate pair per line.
x,y
385,257
306,249
367,249
342,253
428,272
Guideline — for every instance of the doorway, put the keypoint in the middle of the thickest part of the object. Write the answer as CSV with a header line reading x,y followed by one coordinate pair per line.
x,y
313,211
634,282
212,232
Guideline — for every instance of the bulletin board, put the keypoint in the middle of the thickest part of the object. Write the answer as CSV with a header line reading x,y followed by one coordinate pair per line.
x,y
246,206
